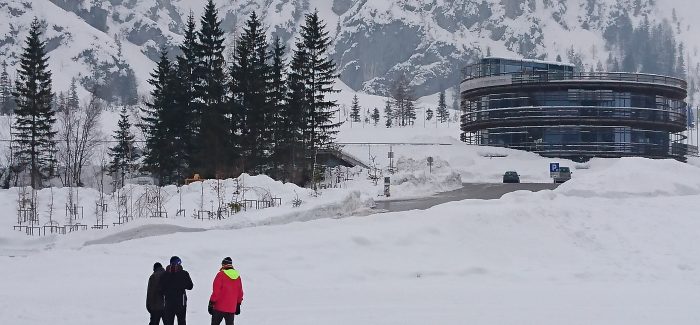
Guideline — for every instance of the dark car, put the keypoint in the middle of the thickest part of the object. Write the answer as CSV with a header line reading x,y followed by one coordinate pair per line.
x,y
564,175
511,177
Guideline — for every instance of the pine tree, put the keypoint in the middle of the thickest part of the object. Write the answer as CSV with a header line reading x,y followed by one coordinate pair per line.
x,y
295,115
355,109
442,114
73,101
33,128
123,153
250,76
403,101
159,141
456,95
429,114
680,63
6,100
320,82
375,116
186,124
214,148
282,132
317,75
411,112
388,114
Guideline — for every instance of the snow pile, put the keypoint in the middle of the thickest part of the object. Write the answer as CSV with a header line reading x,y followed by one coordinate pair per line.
x,y
633,177
414,178
182,205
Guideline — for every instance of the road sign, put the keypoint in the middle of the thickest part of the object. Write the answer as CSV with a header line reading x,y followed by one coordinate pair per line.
x,y
554,167
554,170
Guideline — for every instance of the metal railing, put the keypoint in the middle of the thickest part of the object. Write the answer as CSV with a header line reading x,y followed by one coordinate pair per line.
x,y
602,149
589,115
545,76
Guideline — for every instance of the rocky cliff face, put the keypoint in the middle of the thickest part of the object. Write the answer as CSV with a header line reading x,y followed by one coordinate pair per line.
x,y
374,40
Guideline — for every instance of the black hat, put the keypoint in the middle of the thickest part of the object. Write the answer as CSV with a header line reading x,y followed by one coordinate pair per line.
x,y
227,261
175,260
157,266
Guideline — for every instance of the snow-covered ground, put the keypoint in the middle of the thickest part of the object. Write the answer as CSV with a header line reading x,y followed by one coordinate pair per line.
x,y
622,254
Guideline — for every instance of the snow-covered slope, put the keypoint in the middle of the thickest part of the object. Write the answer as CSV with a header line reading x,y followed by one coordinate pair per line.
x,y
374,40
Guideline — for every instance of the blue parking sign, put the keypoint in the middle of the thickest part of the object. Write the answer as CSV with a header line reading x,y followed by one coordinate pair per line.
x,y
554,167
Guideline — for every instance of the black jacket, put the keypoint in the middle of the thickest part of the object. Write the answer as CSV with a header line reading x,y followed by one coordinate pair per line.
x,y
154,299
173,284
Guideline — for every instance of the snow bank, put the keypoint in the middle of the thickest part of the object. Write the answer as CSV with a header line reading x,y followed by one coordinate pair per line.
x,y
632,177
187,200
413,180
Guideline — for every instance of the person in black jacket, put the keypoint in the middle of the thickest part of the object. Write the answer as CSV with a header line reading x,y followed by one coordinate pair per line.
x,y
154,299
173,284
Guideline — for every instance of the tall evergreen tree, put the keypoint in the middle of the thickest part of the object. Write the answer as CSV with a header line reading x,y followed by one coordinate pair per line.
x,y
250,80
442,114
159,140
403,101
680,63
388,114
33,128
214,131
295,115
123,153
375,116
73,101
355,109
281,119
456,95
318,74
185,111
6,100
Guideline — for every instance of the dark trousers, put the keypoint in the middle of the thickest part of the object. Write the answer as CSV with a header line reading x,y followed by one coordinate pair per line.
x,y
218,316
170,313
155,317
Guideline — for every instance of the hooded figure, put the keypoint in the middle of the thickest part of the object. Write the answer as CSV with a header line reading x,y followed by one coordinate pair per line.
x,y
173,284
154,299
227,294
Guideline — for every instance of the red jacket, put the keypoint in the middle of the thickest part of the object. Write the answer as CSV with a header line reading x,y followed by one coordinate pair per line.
x,y
228,290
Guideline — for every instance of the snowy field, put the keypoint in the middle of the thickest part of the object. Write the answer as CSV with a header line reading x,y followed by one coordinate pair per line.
x,y
616,245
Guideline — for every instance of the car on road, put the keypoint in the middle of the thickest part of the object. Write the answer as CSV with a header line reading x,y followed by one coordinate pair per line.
x,y
511,177
564,175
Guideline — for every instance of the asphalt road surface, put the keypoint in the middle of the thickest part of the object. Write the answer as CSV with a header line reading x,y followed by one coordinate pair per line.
x,y
490,191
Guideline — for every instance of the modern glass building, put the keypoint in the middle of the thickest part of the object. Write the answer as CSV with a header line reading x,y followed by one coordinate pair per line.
x,y
555,111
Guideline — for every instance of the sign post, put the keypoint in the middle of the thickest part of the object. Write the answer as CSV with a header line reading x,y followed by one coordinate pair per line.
x,y
391,160
387,184
430,164
554,170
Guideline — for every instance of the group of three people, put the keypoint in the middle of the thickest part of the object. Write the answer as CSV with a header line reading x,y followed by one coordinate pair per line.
x,y
166,297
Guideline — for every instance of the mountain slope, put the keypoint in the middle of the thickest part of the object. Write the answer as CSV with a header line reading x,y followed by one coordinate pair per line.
x,y
375,41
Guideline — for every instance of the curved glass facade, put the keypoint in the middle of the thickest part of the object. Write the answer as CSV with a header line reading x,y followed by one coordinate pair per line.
x,y
549,109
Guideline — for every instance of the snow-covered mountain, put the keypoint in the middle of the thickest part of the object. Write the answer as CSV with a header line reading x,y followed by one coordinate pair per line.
x,y
374,41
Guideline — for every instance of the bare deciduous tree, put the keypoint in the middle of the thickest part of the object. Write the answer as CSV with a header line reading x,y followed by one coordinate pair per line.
x,y
80,136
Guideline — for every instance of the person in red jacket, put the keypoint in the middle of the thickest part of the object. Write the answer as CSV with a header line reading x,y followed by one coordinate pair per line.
x,y
227,294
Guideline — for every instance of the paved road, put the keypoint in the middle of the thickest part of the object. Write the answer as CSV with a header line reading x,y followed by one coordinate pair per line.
x,y
469,191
